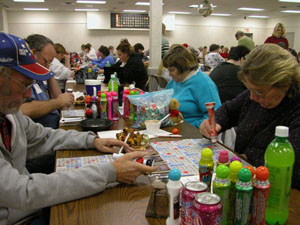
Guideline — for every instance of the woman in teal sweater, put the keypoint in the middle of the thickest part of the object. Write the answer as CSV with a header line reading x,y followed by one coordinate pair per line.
x,y
192,88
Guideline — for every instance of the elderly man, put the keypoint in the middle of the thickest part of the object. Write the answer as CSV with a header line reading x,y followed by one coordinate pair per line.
x,y
23,194
45,101
243,40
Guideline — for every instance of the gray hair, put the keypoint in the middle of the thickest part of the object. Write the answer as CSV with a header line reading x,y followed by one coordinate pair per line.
x,y
38,41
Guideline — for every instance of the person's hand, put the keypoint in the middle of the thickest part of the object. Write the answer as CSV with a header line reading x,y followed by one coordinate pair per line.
x,y
67,56
106,145
127,169
65,100
205,128
87,58
100,71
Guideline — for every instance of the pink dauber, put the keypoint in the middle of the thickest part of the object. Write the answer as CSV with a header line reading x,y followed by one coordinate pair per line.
x,y
211,119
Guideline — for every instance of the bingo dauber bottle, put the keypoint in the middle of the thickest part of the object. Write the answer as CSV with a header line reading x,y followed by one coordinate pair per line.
x,y
206,166
174,187
221,187
279,159
243,197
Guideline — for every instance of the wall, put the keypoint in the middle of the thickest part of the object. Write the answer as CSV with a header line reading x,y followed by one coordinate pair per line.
x,y
70,29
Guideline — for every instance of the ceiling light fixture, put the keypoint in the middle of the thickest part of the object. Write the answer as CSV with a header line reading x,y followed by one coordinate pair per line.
x,y
142,3
28,0
294,1
36,9
178,12
196,6
250,9
87,10
290,11
91,2
220,14
134,10
257,16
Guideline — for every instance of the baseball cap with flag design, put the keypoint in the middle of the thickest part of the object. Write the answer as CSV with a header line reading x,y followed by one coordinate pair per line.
x,y
15,53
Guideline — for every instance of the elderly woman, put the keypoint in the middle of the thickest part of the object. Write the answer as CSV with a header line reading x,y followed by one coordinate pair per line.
x,y
134,69
272,77
192,88
278,36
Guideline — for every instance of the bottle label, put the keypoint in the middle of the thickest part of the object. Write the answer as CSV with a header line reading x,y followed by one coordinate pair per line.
x,y
280,180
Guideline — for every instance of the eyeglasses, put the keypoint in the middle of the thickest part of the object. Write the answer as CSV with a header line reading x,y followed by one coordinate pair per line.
x,y
47,62
25,87
257,93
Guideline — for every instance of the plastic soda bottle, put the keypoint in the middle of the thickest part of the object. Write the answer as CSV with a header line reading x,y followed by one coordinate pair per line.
x,y
107,64
235,167
279,159
115,106
261,190
109,105
243,197
132,108
174,187
206,166
103,106
221,187
113,84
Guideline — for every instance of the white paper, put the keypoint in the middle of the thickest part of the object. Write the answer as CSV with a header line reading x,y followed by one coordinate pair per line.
x,y
186,179
72,113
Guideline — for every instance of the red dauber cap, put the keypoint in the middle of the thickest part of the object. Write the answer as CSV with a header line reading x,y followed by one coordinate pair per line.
x,y
262,173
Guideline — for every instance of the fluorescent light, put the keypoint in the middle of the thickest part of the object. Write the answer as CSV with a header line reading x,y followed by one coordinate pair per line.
x,y
28,0
250,9
37,9
142,3
220,14
291,11
90,10
256,16
91,2
133,10
176,12
196,6
295,1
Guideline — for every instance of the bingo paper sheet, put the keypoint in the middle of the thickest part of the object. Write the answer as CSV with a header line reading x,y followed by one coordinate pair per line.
x,y
77,162
185,154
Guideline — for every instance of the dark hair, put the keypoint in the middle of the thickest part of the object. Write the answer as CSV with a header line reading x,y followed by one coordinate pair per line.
x,y
181,58
213,47
59,48
236,53
104,50
38,41
138,46
239,34
110,47
125,47
88,46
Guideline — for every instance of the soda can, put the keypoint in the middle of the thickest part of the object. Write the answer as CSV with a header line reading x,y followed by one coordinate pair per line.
x,y
207,209
188,194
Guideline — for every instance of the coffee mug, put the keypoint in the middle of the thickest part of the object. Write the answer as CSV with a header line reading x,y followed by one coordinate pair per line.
x,y
92,87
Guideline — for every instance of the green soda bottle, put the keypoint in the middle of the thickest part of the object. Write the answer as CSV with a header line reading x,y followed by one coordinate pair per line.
x,y
279,159
235,167
113,84
206,166
222,187
243,197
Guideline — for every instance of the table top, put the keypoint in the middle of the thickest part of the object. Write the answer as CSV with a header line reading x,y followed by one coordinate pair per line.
x,y
127,204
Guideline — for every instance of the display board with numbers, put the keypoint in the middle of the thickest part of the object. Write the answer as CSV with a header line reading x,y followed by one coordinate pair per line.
x,y
129,20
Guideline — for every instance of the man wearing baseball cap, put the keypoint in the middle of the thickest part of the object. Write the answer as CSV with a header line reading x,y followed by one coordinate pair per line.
x,y
45,100
23,194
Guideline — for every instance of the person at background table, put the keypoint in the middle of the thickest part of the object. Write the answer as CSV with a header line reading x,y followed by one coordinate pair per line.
x,y
104,58
112,52
42,106
278,36
89,52
24,194
164,42
213,58
192,88
225,74
225,52
62,72
134,69
139,49
244,40
272,99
